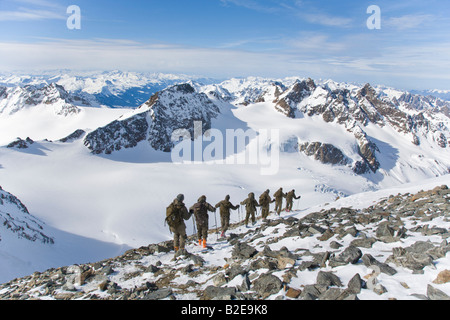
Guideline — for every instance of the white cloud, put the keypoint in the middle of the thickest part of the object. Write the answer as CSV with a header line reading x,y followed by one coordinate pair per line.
x,y
326,20
41,3
410,21
28,10
422,66
252,5
24,14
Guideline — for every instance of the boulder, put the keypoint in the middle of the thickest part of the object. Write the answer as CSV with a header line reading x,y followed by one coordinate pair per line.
x,y
328,279
266,285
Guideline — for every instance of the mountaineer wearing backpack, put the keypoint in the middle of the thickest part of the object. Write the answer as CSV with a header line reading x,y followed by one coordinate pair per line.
x,y
250,206
279,195
200,210
225,206
264,202
289,200
176,213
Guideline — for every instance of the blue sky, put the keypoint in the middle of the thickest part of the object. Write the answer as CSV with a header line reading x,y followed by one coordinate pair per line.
x,y
235,38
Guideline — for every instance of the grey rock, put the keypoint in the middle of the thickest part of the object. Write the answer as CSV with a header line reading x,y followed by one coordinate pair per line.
x,y
436,294
332,294
221,293
158,294
310,292
385,232
370,261
243,251
328,279
325,153
350,255
266,285
363,242
355,284
335,245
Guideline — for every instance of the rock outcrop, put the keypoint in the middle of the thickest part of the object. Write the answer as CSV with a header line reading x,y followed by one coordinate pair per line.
x,y
324,152
176,107
15,218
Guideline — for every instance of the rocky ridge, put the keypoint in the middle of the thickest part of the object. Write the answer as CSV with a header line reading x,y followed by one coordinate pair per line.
x,y
356,108
352,106
176,107
346,253
15,99
15,218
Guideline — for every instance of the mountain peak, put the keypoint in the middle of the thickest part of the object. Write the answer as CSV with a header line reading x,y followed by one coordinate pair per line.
x,y
176,107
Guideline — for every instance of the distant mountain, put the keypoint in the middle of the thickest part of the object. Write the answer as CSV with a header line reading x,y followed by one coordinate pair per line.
x,y
111,89
441,94
173,108
355,108
52,96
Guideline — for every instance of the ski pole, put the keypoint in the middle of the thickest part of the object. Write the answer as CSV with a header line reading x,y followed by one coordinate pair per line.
x,y
195,229
217,227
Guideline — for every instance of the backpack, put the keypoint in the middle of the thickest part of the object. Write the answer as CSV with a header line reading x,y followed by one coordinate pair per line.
x,y
172,216
264,199
199,207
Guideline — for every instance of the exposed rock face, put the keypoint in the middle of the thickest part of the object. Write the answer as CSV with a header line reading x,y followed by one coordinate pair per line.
x,y
21,144
356,108
15,218
77,134
118,134
323,152
176,107
13,100
288,102
353,107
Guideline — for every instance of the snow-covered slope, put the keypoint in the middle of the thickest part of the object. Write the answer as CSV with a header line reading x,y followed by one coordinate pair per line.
x,y
47,112
111,182
384,245
27,244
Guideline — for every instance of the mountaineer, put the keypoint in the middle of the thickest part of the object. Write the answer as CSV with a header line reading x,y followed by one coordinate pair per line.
x,y
200,210
290,196
225,206
279,195
264,201
250,206
176,213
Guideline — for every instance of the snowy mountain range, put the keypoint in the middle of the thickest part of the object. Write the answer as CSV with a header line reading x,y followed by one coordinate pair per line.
x,y
112,88
93,158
